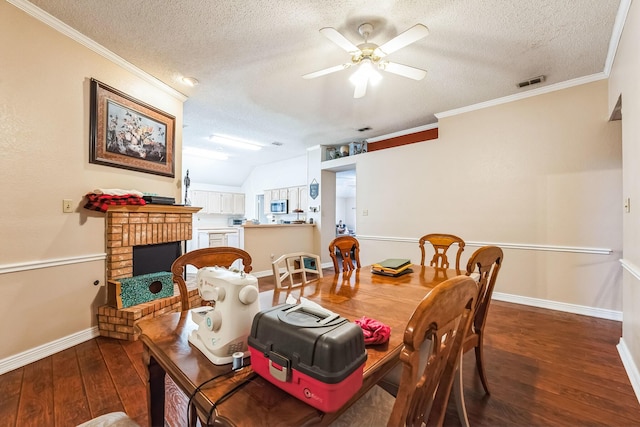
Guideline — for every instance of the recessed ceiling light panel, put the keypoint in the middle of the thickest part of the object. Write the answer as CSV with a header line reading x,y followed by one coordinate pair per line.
x,y
235,142
190,81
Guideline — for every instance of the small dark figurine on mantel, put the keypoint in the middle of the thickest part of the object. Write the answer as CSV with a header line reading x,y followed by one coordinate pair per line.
x,y
187,183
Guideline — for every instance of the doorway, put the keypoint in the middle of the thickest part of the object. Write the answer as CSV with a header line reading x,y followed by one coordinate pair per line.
x,y
346,202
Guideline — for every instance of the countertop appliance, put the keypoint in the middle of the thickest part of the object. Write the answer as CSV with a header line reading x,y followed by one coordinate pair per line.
x,y
279,207
224,328
235,222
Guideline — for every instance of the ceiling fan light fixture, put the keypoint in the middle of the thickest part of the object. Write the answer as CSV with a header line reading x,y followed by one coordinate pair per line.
x,y
366,72
234,142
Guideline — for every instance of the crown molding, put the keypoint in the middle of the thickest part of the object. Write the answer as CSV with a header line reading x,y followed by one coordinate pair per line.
x,y
616,34
75,35
528,94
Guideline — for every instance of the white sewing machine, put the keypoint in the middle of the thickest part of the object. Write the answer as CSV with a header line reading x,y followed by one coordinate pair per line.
x,y
223,329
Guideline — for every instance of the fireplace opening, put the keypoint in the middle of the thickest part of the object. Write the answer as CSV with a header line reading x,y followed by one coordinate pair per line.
x,y
155,258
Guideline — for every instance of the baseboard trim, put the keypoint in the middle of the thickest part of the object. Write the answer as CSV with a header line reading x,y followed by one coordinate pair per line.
x,y
32,355
630,367
560,306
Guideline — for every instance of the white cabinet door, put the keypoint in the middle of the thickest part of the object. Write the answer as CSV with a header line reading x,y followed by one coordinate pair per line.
x,y
226,203
238,204
215,202
303,200
283,194
267,202
293,199
200,199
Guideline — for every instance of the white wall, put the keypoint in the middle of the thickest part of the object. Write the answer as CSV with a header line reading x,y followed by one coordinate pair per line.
x,y
346,211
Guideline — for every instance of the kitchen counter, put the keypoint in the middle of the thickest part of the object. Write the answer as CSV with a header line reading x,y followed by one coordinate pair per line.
x,y
266,242
219,229
247,225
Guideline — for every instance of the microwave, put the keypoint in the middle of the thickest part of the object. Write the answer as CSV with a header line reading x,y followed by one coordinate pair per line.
x,y
279,207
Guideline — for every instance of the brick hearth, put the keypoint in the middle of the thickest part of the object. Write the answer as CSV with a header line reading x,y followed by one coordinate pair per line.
x,y
129,226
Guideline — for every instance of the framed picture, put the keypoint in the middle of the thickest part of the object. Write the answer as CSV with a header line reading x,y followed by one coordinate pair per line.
x,y
129,134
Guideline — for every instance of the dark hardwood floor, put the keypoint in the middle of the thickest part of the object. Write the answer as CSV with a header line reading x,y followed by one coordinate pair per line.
x,y
545,368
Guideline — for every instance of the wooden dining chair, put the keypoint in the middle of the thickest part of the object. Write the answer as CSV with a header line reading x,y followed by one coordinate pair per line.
x,y
221,256
484,265
442,318
441,244
348,248
296,266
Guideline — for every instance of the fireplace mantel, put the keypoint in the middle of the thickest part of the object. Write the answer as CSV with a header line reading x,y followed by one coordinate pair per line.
x,y
154,208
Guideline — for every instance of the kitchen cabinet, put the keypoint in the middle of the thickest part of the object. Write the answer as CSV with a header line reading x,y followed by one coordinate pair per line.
x,y
298,198
200,199
216,202
267,202
213,238
238,204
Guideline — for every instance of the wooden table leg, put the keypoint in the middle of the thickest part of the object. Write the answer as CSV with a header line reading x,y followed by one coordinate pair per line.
x,y
155,391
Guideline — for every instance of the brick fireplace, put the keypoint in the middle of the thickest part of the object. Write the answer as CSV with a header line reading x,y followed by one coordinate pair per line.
x,y
129,226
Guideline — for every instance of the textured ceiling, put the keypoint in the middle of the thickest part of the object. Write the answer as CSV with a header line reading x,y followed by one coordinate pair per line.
x,y
249,57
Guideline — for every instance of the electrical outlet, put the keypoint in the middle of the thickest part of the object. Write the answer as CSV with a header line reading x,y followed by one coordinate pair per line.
x,y
67,205
365,212
627,205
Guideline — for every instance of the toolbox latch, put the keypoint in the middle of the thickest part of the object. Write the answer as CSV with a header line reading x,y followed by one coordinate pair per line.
x,y
283,371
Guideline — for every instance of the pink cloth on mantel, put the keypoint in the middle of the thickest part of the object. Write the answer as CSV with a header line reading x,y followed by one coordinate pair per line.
x,y
375,332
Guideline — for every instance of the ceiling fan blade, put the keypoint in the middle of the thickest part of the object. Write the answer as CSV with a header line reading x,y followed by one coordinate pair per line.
x,y
333,35
361,88
403,70
327,71
411,35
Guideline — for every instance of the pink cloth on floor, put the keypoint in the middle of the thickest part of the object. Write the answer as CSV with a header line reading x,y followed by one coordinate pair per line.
x,y
374,331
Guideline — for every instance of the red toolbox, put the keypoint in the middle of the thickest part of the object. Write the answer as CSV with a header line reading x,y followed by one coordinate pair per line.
x,y
311,353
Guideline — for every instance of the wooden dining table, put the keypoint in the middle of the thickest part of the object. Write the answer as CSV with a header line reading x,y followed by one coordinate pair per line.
x,y
243,398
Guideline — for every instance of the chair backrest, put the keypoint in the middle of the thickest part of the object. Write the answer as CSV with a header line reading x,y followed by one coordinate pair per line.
x,y
221,256
441,243
348,248
443,317
486,262
296,266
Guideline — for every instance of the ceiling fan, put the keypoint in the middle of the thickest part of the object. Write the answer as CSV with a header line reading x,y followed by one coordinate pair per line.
x,y
369,56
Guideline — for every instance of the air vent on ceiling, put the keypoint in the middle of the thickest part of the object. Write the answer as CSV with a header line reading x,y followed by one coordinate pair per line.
x,y
532,81
364,129
276,143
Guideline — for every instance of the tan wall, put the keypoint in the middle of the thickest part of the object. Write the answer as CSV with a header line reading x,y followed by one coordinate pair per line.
x,y
543,171
44,123
624,81
265,241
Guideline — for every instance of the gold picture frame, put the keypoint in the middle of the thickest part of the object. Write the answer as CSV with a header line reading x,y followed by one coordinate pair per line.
x,y
129,134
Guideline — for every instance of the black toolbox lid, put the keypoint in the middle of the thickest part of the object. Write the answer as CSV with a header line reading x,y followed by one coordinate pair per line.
x,y
316,342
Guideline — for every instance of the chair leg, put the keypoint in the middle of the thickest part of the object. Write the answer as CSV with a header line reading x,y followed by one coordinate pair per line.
x,y
458,393
480,363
